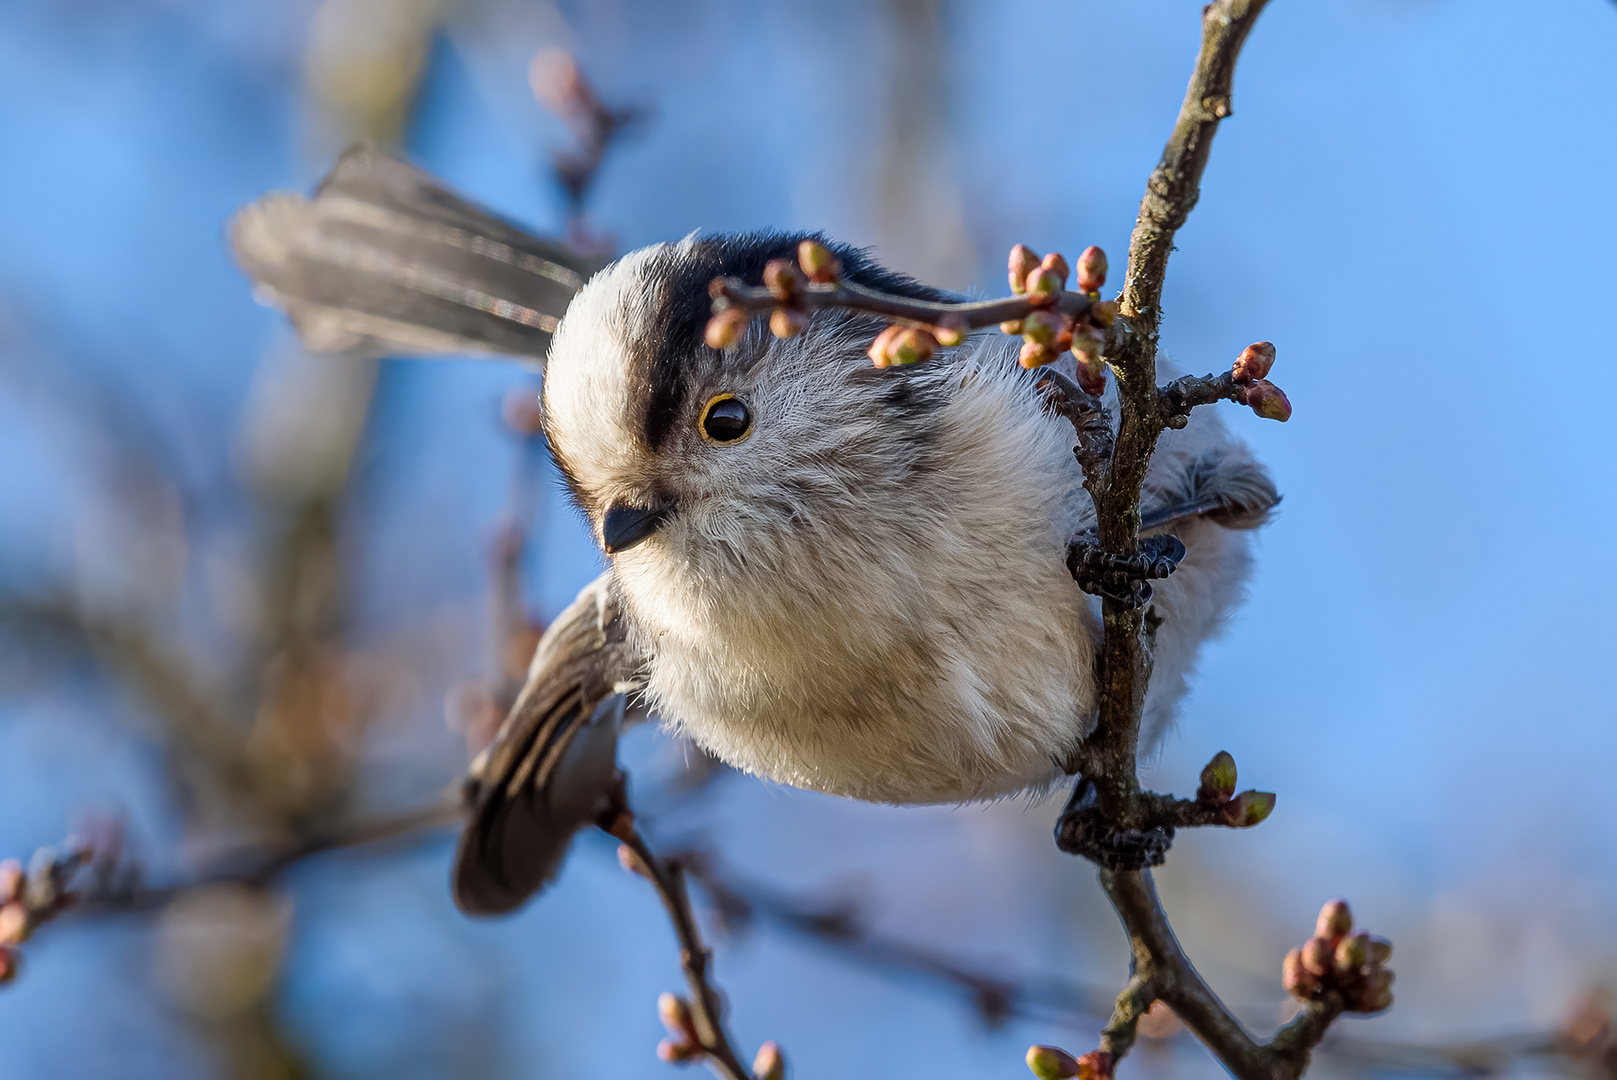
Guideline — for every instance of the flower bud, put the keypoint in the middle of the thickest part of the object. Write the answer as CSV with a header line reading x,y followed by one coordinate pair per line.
x,y
1254,362
39,888
1299,982
10,880
1022,263
725,328
1091,269
1218,780
1372,995
1043,286
911,346
1091,369
675,1013
630,861
1041,327
1248,809
782,279
1035,355
621,825
1378,951
770,1064
1268,401
1335,920
1051,1063
818,263
1096,1065
675,1052
1057,265
951,330
1103,312
10,964
1352,953
1011,326
14,927
1318,957
785,322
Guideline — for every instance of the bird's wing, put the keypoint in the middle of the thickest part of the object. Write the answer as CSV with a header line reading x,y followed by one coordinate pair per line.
x,y
385,259
1206,478
550,770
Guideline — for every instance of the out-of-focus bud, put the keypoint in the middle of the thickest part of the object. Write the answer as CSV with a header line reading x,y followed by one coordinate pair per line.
x,y
1011,326
1254,362
1268,401
11,879
1378,950
1041,327
818,263
13,924
676,1052
1051,1063
880,347
1035,355
782,279
10,964
1091,269
630,861
1373,994
1319,957
911,346
1248,809
1096,1065
1023,262
1335,920
39,889
951,330
725,328
1352,953
770,1064
1103,312
1091,368
1160,1022
1057,265
675,1013
787,322
1299,982
1043,286
1218,780
521,411
621,826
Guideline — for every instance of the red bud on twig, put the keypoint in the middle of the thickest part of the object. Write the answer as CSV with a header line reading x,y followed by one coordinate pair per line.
x,y
1035,355
1096,1065
951,330
1023,262
1043,286
1335,920
770,1064
818,263
725,328
1254,362
782,279
1057,265
1041,327
1299,982
1218,780
911,346
1091,269
1268,401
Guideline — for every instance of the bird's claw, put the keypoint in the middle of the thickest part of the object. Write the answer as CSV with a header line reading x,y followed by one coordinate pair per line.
x,y
1083,829
1123,578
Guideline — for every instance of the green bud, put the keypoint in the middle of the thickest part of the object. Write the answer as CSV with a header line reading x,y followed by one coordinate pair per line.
x,y
818,263
1218,780
951,330
1054,263
1051,1063
1268,401
1248,809
1352,953
881,347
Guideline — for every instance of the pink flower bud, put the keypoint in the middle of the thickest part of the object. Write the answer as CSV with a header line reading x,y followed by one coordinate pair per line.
x,y
785,322
1318,957
11,878
725,328
630,861
1096,1065
879,347
818,263
1254,362
14,926
678,1053
951,330
1043,286
1103,312
1248,809
1091,269
1335,920
782,279
1352,953
1022,263
1268,401
1091,368
770,1064
675,1013
1218,780
1051,1063
1035,355
1041,327
1057,265
911,346
1299,982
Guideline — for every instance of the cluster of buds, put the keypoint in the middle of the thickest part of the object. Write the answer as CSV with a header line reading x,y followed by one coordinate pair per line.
x,y
1335,958
1047,332
785,281
1054,1063
30,897
1251,370
684,1045
1217,792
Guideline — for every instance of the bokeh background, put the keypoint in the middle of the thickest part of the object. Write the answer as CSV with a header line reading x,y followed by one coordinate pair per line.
x,y
239,584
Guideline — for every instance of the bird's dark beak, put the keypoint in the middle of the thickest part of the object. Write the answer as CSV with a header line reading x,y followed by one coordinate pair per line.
x,y
625,526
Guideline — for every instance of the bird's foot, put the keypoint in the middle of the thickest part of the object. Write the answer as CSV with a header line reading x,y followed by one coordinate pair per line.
x,y
1124,578
1083,829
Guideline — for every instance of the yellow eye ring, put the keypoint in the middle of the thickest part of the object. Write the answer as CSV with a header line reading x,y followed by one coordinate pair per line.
x,y
725,421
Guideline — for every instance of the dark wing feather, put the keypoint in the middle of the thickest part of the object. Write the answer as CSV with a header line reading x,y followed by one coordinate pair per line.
x,y
383,258
550,770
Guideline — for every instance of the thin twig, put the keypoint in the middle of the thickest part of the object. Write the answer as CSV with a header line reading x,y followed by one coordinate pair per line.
x,y
925,314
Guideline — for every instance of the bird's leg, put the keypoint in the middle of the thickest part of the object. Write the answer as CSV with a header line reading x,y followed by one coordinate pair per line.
x,y
1084,829
1124,578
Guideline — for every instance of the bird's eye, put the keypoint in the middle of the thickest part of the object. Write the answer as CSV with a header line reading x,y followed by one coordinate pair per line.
x,y
726,419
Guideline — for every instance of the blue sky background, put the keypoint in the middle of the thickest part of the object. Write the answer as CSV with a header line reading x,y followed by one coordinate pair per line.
x,y
1413,200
